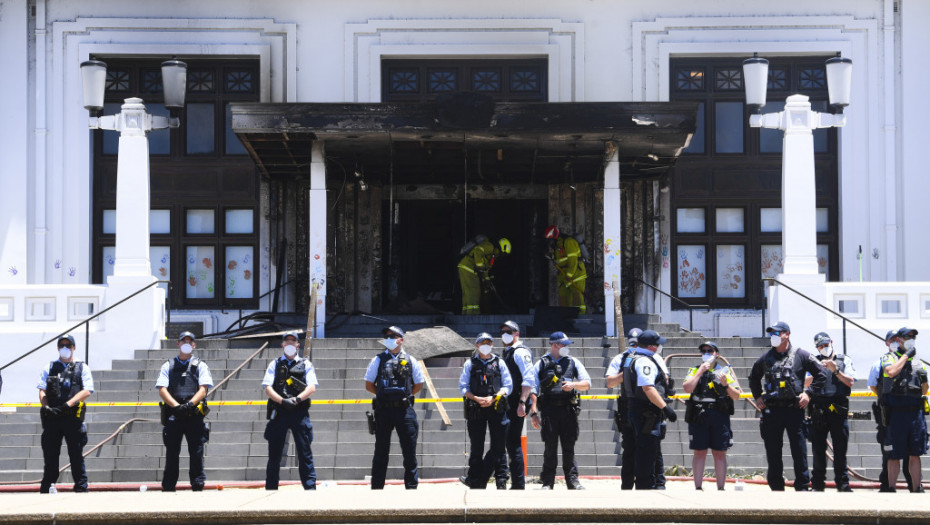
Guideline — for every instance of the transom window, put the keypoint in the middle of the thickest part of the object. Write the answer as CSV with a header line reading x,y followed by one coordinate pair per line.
x,y
726,188
412,80
204,189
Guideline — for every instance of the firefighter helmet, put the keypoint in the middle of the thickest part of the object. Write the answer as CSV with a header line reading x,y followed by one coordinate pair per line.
x,y
504,243
552,232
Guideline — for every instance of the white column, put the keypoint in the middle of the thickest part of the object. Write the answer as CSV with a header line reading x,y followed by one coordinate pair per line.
x,y
611,248
798,190
317,233
132,196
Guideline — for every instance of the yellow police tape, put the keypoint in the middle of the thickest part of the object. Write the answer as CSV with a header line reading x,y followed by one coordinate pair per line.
x,y
341,401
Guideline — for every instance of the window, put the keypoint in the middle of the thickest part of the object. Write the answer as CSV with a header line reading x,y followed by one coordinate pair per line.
x,y
416,80
204,200
726,187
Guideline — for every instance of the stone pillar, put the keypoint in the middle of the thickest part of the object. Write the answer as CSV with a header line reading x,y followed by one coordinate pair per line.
x,y
612,231
317,234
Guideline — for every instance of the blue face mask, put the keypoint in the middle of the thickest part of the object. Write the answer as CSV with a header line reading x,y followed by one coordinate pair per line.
x,y
390,343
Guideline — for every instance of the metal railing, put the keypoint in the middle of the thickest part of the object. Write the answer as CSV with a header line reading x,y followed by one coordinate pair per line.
x,y
86,323
834,312
689,306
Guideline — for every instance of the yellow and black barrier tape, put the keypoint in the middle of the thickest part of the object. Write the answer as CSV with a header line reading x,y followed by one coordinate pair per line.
x,y
262,402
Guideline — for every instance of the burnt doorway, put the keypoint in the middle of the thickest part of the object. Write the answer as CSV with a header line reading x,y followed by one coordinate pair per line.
x,y
428,236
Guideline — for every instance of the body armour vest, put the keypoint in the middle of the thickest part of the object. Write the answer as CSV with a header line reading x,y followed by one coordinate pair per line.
x,y
515,372
395,377
284,371
833,386
906,384
707,391
485,378
551,375
781,381
626,367
183,379
63,383
661,383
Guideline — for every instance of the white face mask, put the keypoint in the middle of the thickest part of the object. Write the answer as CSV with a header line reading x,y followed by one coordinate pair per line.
x,y
909,344
564,351
186,349
484,349
659,349
826,351
894,346
776,340
64,352
290,351
707,357
390,343
507,338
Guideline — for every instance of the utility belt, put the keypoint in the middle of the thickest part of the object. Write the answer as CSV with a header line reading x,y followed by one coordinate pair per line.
x,y
650,416
828,407
474,411
200,410
883,411
272,406
63,413
562,401
780,402
402,403
694,410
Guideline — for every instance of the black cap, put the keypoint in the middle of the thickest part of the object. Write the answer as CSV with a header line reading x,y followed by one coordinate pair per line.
x,y
512,325
711,344
889,335
483,336
822,338
186,334
559,337
633,335
67,337
905,331
393,330
650,338
780,326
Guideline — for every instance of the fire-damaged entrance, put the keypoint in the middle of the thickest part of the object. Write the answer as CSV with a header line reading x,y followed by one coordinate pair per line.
x,y
396,190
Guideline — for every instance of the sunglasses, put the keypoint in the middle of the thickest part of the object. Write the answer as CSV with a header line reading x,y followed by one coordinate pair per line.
x,y
819,347
775,332
66,345
391,336
506,332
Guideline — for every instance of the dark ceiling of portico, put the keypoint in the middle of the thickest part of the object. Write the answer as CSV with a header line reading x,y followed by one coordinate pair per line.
x,y
441,142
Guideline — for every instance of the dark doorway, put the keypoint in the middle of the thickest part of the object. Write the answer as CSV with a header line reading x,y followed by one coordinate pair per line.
x,y
428,236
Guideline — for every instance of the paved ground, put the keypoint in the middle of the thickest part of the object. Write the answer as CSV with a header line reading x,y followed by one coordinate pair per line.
x,y
453,503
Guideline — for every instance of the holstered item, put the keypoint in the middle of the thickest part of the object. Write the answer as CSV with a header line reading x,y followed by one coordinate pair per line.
x,y
202,408
269,409
650,418
206,431
500,404
80,411
371,422
618,420
691,410
472,409
165,413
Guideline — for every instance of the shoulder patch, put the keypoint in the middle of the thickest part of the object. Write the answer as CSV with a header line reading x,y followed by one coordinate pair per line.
x,y
647,370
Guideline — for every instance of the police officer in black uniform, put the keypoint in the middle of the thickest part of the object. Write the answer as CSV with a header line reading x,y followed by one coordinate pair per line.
x,y
829,412
777,384
646,384
289,382
519,361
874,382
63,387
394,377
614,379
560,378
485,384
182,385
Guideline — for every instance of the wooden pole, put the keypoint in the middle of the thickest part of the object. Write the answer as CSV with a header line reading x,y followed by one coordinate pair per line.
x,y
433,394
310,334
618,317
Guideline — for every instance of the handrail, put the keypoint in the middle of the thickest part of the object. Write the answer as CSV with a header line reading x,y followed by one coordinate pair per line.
x,y
834,312
690,306
86,322
236,370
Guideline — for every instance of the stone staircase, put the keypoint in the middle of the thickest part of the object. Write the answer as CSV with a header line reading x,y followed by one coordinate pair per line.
x,y
342,446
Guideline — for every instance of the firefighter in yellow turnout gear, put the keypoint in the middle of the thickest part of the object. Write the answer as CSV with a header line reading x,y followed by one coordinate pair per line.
x,y
475,268
566,254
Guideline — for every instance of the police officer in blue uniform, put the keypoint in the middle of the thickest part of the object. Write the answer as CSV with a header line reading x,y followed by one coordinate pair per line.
x,y
560,378
182,385
903,385
289,382
519,360
485,384
645,384
829,413
63,386
875,373
394,377
614,376
777,384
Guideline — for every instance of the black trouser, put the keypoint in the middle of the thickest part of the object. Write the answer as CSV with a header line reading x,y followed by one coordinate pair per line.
x,y
646,422
837,427
72,430
404,421
559,426
774,423
192,429
628,458
482,465
660,461
298,422
514,448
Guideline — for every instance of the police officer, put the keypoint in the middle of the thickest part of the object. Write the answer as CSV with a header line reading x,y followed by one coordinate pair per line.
x,y
614,375
565,252
485,384
903,385
63,386
875,373
289,382
519,360
394,377
475,271
182,385
829,411
645,384
560,378
777,384
713,389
